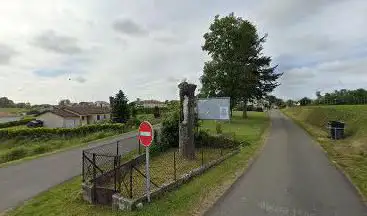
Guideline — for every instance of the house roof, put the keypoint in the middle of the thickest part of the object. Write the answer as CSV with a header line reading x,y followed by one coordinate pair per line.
x,y
62,113
87,110
7,114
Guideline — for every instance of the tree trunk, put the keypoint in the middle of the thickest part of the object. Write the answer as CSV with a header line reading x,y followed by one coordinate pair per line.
x,y
244,111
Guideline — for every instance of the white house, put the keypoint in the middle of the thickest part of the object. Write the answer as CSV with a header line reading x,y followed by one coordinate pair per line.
x,y
70,117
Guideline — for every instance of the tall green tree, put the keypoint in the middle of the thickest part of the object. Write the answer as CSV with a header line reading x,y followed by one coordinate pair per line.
x,y
120,108
238,68
5,102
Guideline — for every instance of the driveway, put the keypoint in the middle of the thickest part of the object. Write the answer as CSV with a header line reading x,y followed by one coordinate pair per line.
x,y
23,181
291,177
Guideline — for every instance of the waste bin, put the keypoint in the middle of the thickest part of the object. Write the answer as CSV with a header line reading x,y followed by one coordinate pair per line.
x,y
336,129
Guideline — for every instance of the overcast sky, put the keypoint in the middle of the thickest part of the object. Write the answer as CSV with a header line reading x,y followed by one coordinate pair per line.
x,y
86,50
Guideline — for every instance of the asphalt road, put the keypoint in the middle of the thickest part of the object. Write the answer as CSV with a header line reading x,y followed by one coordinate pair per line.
x,y
23,181
291,177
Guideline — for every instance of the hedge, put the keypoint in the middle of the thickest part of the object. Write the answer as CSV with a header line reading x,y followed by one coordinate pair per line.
x,y
49,132
16,123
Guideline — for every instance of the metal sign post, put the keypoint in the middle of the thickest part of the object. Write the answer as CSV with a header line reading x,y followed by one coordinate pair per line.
x,y
146,138
147,172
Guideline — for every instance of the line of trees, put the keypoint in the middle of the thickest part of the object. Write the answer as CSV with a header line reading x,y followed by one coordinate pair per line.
x,y
343,96
338,97
7,103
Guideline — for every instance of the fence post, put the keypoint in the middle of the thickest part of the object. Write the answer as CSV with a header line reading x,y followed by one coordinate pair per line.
x,y
139,146
117,147
174,165
94,178
115,175
83,166
131,181
221,151
119,172
202,155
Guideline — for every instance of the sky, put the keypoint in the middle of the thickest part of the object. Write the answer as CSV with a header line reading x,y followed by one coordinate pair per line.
x,y
87,50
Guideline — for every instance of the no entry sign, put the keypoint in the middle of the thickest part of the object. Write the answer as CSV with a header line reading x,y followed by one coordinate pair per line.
x,y
145,133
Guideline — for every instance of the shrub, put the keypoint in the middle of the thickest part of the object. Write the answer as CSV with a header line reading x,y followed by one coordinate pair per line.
x,y
133,122
168,136
259,109
218,127
34,133
169,130
156,112
204,139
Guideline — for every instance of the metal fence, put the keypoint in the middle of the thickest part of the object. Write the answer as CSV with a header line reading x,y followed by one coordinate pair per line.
x,y
110,166
101,159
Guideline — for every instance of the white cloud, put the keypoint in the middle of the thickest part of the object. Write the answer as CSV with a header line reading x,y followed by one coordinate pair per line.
x,y
88,49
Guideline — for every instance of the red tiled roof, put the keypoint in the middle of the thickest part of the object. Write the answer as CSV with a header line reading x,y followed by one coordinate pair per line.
x,y
7,114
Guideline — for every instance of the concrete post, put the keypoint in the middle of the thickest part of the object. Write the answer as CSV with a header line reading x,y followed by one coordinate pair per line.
x,y
187,120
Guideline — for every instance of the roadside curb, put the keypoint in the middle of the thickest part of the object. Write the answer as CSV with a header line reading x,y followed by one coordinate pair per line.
x,y
242,173
335,164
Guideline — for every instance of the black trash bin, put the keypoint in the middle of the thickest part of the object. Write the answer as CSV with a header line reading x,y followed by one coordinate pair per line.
x,y
336,129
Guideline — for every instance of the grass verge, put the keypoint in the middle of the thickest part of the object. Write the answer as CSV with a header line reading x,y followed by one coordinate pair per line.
x,y
189,199
349,154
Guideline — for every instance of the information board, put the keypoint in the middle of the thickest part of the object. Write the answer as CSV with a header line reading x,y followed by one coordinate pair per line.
x,y
214,108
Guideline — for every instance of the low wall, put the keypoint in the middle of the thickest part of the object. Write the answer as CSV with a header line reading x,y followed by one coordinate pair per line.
x,y
122,203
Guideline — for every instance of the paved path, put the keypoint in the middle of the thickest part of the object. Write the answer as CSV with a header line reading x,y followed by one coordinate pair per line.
x,y
23,181
292,177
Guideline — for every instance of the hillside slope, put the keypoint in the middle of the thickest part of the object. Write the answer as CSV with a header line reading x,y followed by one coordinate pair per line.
x,y
350,153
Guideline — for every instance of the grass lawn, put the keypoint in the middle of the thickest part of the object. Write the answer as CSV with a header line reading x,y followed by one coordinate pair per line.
x,y
189,199
14,110
350,154
162,169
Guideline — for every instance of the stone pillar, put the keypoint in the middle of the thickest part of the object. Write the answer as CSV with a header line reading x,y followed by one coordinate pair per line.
x,y
187,120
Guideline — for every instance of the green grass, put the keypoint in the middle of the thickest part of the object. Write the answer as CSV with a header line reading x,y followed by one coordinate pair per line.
x,y
14,110
189,199
162,169
350,154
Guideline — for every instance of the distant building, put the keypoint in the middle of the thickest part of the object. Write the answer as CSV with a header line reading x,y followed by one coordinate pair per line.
x,y
149,103
73,116
102,104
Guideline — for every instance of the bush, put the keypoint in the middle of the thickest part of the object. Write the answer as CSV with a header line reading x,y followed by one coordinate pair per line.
x,y
156,112
34,133
218,128
168,137
259,109
133,122
204,139
16,123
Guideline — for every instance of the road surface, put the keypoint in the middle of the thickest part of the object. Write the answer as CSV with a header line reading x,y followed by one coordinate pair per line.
x,y
291,177
23,181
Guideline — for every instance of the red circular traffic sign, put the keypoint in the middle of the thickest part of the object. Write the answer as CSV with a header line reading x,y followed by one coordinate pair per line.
x,y
145,133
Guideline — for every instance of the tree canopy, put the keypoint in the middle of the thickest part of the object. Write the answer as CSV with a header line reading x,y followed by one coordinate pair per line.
x,y
238,68
120,108
343,96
